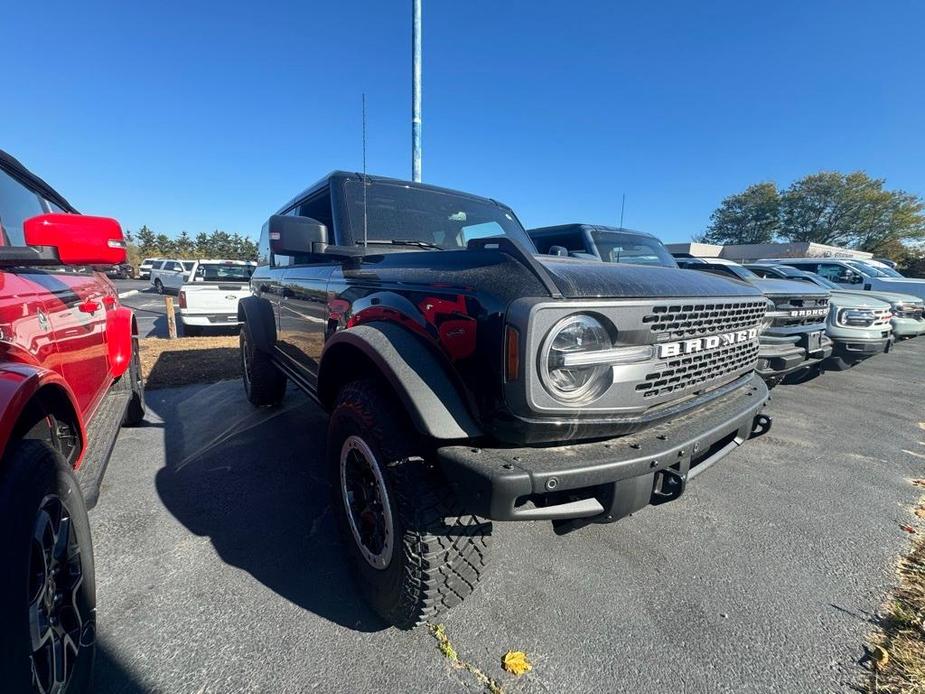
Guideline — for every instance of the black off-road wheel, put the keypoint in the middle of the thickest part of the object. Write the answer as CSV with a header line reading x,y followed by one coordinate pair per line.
x,y
47,588
414,554
264,384
158,286
135,412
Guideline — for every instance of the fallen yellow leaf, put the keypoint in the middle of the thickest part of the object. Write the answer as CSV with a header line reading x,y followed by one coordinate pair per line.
x,y
880,656
516,662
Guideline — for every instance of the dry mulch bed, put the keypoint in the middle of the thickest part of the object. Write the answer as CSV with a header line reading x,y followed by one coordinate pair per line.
x,y
185,360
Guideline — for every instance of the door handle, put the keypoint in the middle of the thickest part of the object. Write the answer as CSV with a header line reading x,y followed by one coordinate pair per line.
x,y
88,306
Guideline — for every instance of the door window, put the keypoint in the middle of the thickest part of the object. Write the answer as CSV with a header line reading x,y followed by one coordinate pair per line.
x,y
17,204
833,272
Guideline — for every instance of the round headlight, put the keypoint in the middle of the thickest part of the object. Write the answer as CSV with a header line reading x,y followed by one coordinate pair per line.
x,y
575,384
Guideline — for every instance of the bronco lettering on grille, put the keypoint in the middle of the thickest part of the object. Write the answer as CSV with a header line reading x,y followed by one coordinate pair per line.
x,y
700,344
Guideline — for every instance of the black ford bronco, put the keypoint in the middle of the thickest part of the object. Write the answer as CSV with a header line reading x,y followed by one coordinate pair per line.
x,y
470,380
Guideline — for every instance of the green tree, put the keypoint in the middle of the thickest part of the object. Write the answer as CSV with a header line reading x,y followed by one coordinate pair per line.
x,y
146,241
185,246
851,210
752,216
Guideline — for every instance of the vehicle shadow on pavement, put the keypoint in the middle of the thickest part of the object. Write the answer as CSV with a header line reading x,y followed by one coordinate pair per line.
x,y
253,481
110,675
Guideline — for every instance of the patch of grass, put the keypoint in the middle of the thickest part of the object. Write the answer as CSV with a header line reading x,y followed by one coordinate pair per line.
x,y
166,363
901,631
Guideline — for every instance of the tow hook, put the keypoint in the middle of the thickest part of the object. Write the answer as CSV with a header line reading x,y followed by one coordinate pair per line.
x,y
761,425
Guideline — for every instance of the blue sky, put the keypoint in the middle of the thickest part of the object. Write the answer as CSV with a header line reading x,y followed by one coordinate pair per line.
x,y
196,116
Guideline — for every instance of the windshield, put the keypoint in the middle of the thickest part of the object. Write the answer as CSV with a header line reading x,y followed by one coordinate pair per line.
x,y
219,272
619,247
888,271
426,218
866,270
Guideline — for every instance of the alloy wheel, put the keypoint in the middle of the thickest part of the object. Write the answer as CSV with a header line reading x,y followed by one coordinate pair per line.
x,y
58,624
366,500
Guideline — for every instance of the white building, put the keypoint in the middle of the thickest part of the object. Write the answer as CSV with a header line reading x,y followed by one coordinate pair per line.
x,y
748,252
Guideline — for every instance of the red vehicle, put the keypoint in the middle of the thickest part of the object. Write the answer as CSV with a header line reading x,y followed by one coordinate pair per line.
x,y
69,378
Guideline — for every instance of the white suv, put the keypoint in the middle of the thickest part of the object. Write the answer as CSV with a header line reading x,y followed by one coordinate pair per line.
x,y
170,275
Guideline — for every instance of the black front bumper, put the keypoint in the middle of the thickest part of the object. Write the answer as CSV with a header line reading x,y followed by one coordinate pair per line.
x,y
603,480
779,356
848,352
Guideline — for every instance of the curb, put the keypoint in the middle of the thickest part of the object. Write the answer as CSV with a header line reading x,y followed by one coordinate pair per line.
x,y
131,292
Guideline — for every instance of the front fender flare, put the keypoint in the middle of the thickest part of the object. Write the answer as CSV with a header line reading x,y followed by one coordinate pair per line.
x,y
421,381
19,384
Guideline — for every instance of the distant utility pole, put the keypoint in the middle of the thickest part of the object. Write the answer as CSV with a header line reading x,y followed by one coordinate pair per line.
x,y
622,206
416,90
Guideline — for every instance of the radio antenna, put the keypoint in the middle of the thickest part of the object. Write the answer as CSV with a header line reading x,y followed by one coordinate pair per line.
x,y
365,182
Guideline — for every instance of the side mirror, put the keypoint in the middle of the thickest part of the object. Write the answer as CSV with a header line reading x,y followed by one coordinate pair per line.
x,y
856,278
77,239
558,251
296,235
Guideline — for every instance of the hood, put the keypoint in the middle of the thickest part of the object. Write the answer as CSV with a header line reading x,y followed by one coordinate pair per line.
x,y
773,287
889,297
857,300
579,279
905,286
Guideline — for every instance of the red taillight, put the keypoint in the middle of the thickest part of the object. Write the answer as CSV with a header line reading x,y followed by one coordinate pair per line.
x,y
182,298
511,354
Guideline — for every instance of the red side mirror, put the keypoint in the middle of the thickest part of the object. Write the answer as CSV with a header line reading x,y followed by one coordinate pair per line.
x,y
79,239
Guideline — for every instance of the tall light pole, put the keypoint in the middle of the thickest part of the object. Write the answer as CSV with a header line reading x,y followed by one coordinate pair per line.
x,y
416,90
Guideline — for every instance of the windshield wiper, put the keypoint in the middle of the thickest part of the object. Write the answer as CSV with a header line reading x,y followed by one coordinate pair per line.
x,y
402,242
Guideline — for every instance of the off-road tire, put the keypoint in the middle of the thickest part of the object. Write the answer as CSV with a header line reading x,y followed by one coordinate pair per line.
x,y
32,472
158,286
439,554
135,412
264,384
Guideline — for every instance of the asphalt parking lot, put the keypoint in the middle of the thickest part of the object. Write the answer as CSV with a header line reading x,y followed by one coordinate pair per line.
x,y
219,567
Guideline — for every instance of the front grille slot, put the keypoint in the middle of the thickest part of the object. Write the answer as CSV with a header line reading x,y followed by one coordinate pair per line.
x,y
689,371
676,321
799,303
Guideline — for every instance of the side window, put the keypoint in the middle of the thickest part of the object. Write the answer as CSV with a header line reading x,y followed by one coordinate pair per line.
x,y
263,246
17,204
157,264
831,271
319,207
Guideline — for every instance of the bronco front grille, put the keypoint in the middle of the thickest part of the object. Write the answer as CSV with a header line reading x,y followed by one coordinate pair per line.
x,y
910,311
674,321
799,310
684,373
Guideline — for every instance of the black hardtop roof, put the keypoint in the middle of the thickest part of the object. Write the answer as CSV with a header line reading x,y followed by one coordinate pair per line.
x,y
16,169
348,175
559,228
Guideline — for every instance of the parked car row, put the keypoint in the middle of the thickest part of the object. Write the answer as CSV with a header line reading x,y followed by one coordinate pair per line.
x,y
475,372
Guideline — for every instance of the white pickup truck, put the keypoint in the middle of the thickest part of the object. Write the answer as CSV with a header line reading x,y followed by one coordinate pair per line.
x,y
210,298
